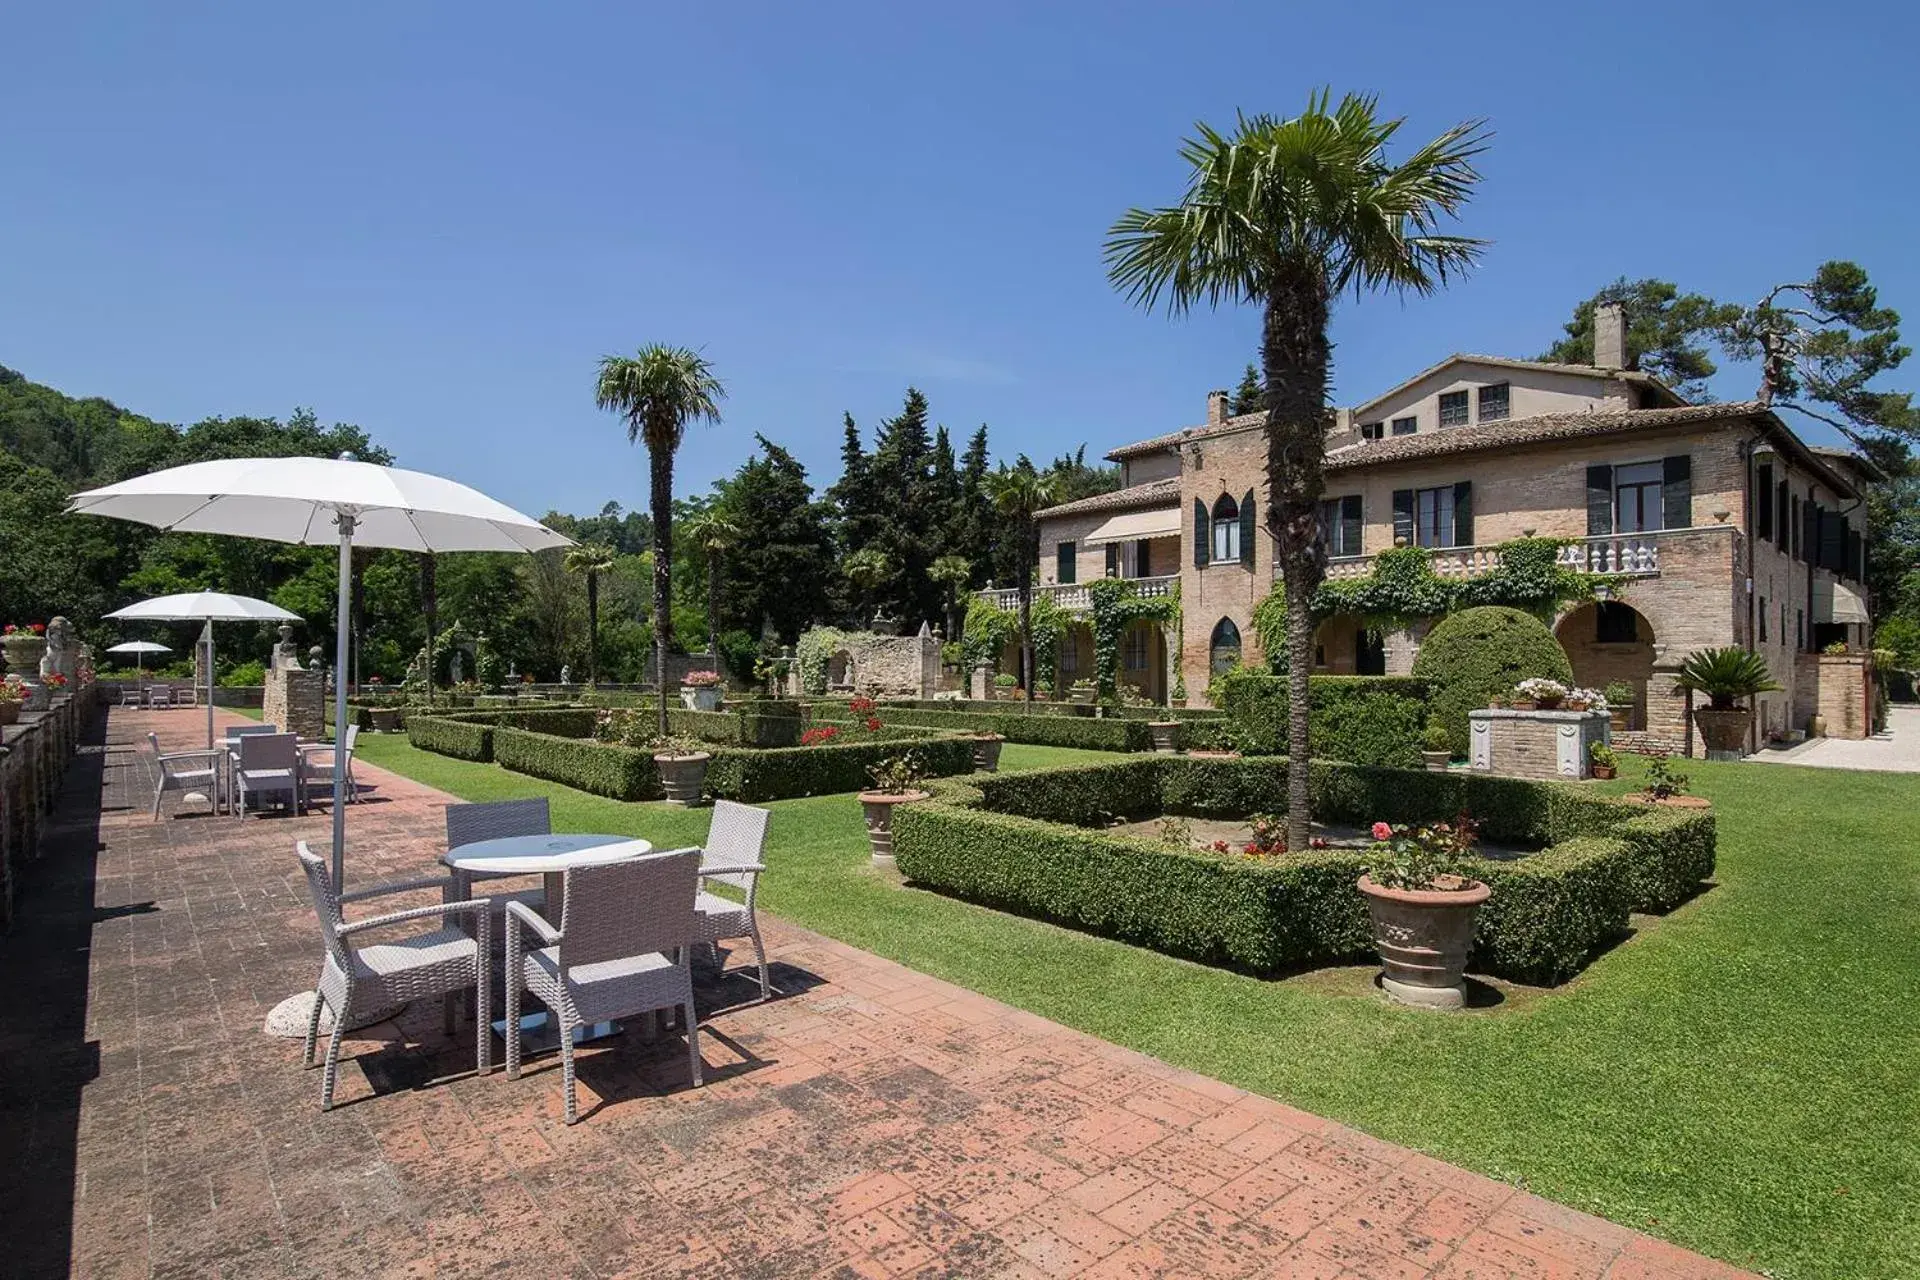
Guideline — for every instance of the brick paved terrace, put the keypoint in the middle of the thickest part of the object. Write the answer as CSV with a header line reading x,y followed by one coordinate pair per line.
x,y
869,1122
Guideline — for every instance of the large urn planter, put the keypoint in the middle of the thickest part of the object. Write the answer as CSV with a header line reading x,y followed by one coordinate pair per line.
x,y
701,698
1165,735
986,751
1436,761
384,719
24,651
1424,937
683,777
1724,730
878,807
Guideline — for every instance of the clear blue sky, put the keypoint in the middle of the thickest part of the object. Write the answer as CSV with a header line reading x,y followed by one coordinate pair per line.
x,y
432,220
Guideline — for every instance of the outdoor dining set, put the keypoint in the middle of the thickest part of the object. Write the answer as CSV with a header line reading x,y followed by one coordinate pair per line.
x,y
250,763
610,933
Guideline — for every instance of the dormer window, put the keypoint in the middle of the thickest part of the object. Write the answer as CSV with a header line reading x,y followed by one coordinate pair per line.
x,y
1405,426
1453,409
1372,430
1493,403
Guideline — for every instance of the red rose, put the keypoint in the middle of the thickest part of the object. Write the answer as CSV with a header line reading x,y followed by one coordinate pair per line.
x,y
1381,831
873,724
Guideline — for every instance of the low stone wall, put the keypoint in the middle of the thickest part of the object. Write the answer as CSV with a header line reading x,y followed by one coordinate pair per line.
x,y
296,700
1534,744
33,758
1837,686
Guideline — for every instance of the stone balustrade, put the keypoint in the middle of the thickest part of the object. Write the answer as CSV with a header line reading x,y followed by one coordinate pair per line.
x,y
1074,596
33,758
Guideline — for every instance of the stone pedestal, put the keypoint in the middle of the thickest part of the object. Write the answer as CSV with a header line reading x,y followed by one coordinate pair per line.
x,y
1534,744
296,701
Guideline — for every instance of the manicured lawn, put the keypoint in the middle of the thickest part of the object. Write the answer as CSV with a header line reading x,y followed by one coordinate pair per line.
x,y
1739,1077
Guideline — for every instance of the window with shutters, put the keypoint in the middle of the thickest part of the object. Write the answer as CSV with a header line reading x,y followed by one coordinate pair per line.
x,y
1340,525
1433,517
1372,430
1798,550
1453,409
1136,648
1066,563
1115,567
1493,402
1226,530
1782,520
1405,426
1638,502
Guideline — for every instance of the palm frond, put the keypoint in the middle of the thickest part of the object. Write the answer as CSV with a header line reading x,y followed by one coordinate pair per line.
x,y
660,390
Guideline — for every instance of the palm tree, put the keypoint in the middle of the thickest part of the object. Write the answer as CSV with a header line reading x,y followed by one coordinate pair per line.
x,y
714,533
1287,215
868,569
1019,493
660,390
954,573
592,559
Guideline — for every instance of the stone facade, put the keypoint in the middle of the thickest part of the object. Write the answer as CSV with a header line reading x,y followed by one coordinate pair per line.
x,y
1534,744
1837,687
885,666
296,700
33,758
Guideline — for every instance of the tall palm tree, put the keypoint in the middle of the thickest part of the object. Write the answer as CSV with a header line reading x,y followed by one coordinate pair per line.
x,y
1018,494
1286,215
953,572
660,390
714,533
591,559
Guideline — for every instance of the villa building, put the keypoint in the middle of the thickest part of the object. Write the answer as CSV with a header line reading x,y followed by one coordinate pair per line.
x,y
1726,529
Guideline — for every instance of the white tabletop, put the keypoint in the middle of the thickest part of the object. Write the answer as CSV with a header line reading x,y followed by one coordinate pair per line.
x,y
533,855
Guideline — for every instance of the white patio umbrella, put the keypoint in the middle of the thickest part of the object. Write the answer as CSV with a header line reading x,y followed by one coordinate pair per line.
x,y
206,607
316,501
140,649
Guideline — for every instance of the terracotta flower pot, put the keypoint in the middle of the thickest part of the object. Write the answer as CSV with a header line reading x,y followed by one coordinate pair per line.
x,y
683,777
1547,703
1618,717
1724,730
1523,704
1436,761
1424,937
9,711
1165,735
878,807
1603,771
986,752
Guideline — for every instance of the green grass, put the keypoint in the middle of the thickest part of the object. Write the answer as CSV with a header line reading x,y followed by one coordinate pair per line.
x,y
1738,1077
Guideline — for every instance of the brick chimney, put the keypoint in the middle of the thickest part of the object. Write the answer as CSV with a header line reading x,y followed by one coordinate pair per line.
x,y
1610,336
1216,408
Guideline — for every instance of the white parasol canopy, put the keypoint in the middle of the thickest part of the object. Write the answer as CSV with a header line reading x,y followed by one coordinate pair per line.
x,y
323,500
140,646
207,607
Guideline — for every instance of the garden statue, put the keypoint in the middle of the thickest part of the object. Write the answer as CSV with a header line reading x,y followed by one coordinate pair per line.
x,y
286,657
58,660
456,667
512,675
566,674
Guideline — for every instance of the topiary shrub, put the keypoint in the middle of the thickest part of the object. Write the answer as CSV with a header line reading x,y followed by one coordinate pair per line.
x,y
1371,720
1472,655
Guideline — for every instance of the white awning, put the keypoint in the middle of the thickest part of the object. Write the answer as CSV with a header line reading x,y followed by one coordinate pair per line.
x,y
1837,602
1129,525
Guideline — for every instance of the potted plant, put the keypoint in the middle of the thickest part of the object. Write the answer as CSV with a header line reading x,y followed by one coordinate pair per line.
x,y
1543,693
1165,735
13,696
683,768
1081,693
700,690
1004,685
896,780
1179,696
1499,702
1725,676
1620,697
1665,787
1435,750
1423,907
1605,764
986,746
24,648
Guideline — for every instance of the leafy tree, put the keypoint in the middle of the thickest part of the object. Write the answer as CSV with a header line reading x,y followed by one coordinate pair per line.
x,y
1250,396
660,391
713,534
590,560
1018,493
1667,332
783,567
869,569
1074,479
1286,215
953,573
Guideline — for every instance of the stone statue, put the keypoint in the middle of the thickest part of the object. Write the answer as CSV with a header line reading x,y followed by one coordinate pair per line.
x,y
285,655
566,674
457,666
59,658
512,675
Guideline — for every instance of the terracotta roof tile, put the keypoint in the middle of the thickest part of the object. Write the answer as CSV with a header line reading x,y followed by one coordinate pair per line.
x,y
1533,430
1154,493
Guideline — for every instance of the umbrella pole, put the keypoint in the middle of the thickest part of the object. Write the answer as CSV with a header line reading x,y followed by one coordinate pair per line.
x,y
344,521
208,637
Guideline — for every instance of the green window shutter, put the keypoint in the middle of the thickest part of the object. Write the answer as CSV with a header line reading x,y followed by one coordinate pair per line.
x,y
1113,559
1066,563
1202,534
1463,514
1599,501
1143,559
1350,524
1248,528
1403,518
1676,493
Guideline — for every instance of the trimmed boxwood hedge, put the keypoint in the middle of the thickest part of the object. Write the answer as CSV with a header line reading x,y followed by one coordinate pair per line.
x,y
1373,720
1031,842
1046,730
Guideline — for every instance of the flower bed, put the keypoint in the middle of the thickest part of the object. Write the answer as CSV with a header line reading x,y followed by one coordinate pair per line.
x,y
1034,842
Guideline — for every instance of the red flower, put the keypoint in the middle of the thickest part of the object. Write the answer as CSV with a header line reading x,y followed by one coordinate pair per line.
x,y
861,706
814,737
38,628
1381,831
873,724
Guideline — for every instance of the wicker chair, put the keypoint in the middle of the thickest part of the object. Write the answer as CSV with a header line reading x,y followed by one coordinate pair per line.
x,y
187,695
609,957
270,763
173,774
735,845
472,823
131,695
321,770
445,961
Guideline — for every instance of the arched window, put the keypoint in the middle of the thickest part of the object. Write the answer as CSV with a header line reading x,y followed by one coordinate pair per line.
x,y
1223,651
1226,532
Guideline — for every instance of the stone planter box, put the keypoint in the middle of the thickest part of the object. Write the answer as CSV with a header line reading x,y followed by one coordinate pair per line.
x,y
1534,744
386,719
1165,735
986,752
701,698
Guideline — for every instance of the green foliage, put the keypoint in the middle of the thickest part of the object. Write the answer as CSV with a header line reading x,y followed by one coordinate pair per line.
x,y
1726,674
1041,729
1116,604
1250,396
1666,332
1473,655
1662,781
458,738
1369,720
601,768
243,675
814,652
989,629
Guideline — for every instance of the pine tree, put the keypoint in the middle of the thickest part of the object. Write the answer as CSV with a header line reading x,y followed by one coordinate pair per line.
x,y
1250,396
780,574
975,534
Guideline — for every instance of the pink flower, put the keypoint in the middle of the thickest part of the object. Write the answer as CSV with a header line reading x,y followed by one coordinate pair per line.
x,y
1381,831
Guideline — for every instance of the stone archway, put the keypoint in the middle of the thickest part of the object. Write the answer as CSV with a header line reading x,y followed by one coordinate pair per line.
x,y
840,670
1610,641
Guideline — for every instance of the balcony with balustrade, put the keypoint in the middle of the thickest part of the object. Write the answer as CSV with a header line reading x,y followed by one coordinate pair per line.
x,y
1633,555
1073,597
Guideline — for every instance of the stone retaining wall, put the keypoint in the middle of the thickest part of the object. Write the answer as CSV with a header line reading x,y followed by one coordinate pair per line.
x,y
33,758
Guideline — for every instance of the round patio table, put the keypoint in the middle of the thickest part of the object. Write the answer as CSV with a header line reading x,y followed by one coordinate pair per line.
x,y
550,856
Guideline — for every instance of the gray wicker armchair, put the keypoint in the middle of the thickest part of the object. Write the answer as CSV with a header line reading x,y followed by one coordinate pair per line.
x,y
610,957
494,820
443,962
182,771
735,845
